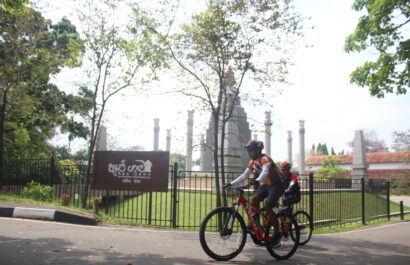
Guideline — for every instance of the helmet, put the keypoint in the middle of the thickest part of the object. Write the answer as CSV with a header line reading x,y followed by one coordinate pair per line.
x,y
254,145
285,165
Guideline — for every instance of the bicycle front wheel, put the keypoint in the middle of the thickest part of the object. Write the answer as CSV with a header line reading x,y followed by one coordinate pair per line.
x,y
290,230
223,234
305,226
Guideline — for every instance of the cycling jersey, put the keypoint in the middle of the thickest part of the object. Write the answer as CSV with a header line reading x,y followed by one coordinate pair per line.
x,y
264,169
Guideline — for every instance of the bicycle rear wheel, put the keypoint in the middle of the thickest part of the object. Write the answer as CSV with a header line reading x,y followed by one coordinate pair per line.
x,y
305,226
223,234
289,229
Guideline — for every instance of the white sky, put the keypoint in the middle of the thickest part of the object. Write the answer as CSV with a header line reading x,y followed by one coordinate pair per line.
x,y
320,94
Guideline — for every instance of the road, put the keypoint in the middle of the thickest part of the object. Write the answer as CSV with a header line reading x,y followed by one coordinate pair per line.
x,y
36,242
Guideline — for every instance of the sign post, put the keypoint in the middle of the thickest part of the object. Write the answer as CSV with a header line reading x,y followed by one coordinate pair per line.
x,y
125,170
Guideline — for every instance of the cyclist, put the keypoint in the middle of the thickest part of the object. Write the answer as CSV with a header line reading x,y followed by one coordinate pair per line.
x,y
292,192
268,184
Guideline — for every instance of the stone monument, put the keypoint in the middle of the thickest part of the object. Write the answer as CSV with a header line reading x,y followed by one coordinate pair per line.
x,y
360,165
102,139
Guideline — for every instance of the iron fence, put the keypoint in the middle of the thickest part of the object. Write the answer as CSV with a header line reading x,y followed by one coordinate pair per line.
x,y
192,194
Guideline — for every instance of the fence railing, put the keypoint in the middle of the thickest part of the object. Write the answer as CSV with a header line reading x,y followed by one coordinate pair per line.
x,y
191,195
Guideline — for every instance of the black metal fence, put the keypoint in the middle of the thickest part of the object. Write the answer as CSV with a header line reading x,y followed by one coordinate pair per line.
x,y
191,195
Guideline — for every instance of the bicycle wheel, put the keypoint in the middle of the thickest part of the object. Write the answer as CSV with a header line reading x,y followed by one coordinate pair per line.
x,y
222,234
289,228
305,226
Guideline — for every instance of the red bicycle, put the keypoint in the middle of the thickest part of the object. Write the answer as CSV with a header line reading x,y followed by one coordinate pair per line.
x,y
223,231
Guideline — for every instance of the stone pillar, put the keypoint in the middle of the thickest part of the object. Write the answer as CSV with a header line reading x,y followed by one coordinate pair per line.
x,y
168,148
268,132
290,146
202,153
360,165
156,134
302,170
102,139
189,142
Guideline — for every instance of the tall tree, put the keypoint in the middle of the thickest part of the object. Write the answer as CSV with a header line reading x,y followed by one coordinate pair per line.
x,y
248,39
31,108
384,29
401,141
115,53
371,143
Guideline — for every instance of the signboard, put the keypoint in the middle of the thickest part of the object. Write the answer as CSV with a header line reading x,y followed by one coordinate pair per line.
x,y
147,171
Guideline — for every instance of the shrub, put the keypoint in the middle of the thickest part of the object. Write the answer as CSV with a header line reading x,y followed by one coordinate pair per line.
x,y
331,170
38,192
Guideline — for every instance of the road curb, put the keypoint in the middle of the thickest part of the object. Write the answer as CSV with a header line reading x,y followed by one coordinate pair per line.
x,y
46,214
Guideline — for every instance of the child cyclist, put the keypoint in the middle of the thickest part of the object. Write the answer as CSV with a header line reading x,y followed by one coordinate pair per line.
x,y
292,191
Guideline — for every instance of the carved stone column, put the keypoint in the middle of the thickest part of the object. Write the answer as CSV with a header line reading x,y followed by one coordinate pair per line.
x,y
302,170
290,146
189,142
156,134
268,132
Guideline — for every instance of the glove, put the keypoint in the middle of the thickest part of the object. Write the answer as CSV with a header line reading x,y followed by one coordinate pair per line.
x,y
227,185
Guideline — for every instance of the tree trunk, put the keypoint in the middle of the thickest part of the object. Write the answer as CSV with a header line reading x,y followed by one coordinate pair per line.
x,y
2,118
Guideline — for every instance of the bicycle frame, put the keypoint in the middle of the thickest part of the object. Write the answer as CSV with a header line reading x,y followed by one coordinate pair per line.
x,y
247,206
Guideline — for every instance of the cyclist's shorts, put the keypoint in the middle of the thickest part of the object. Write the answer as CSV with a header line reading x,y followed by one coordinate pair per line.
x,y
272,193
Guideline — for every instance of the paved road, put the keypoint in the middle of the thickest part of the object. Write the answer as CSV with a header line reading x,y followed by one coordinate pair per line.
x,y
34,242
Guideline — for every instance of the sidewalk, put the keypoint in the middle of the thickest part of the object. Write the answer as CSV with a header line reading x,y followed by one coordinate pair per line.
x,y
45,212
405,199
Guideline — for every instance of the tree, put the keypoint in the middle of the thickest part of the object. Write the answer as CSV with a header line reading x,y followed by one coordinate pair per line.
x,y
31,107
115,53
383,28
331,170
224,40
371,143
401,141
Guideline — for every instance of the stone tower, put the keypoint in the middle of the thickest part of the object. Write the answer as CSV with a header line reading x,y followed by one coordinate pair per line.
x,y
237,133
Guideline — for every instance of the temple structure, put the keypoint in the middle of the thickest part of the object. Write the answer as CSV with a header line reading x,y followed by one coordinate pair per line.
x,y
237,133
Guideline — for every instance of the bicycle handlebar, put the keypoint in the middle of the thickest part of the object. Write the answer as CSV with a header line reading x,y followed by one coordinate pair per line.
x,y
238,188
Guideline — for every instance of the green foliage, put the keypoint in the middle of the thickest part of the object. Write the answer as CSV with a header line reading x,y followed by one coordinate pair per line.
x,y
31,51
401,141
382,28
178,158
330,169
38,192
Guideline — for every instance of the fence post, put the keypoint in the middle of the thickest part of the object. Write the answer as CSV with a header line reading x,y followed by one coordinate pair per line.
x,y
363,204
174,196
401,210
388,199
311,205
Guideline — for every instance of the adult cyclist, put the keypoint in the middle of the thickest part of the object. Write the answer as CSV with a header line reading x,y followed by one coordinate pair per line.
x,y
268,184
292,192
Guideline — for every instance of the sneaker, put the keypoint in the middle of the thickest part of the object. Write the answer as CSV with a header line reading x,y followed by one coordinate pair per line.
x,y
276,240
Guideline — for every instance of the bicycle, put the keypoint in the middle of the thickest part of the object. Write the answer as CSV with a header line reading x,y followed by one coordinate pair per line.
x,y
223,232
305,224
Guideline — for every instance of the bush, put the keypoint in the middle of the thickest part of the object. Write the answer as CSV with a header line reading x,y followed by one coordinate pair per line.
x,y
38,192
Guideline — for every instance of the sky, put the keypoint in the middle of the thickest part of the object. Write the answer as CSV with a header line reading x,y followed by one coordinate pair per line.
x,y
320,94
